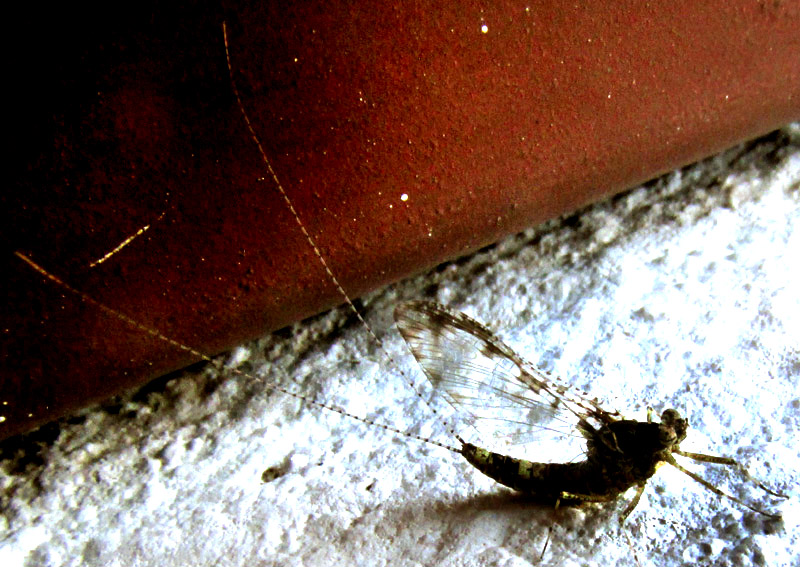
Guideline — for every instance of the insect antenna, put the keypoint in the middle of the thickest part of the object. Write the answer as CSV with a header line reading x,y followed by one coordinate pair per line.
x,y
194,352
279,186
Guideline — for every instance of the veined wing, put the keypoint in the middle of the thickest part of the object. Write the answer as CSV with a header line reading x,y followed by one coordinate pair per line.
x,y
507,400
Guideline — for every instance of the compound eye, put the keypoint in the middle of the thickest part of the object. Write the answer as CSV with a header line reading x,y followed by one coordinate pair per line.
x,y
670,417
673,420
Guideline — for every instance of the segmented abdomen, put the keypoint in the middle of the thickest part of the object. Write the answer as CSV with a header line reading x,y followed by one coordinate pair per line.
x,y
545,481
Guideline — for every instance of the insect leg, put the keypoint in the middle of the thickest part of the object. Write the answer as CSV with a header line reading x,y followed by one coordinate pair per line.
x,y
550,529
546,541
730,462
633,550
671,460
632,504
568,496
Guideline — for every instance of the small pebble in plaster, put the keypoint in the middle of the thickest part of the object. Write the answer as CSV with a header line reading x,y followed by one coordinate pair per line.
x,y
272,473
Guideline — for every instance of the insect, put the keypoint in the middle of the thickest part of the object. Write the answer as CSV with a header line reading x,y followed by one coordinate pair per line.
x,y
466,362
492,384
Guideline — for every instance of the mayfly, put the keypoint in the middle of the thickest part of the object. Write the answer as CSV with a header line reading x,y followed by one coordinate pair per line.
x,y
485,379
489,383
465,361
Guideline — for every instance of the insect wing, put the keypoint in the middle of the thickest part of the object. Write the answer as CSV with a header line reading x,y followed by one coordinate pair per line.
x,y
507,401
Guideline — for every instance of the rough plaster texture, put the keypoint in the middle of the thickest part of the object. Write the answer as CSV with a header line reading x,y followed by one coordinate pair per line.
x,y
684,293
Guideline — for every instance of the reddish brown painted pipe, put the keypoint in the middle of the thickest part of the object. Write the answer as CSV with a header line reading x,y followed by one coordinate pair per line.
x,y
131,122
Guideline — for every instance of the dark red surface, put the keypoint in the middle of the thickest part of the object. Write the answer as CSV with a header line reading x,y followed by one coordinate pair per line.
x,y
123,117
